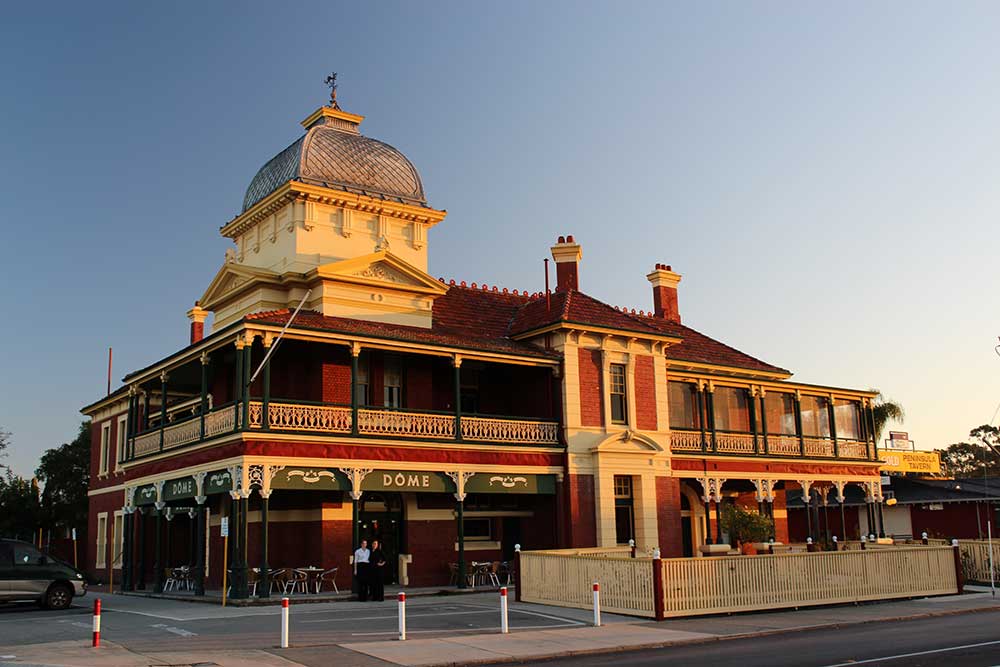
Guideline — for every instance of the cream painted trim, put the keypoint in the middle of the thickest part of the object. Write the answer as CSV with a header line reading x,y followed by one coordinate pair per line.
x,y
770,385
106,489
620,333
477,545
695,367
101,542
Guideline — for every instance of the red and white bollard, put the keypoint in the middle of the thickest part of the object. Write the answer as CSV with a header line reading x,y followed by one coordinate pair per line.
x,y
597,605
284,622
504,625
97,622
402,616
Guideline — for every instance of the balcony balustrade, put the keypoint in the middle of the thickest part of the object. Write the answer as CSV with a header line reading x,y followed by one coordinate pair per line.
x,y
336,420
685,442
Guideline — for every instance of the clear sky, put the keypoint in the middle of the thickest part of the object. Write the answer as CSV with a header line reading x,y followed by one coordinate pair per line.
x,y
824,177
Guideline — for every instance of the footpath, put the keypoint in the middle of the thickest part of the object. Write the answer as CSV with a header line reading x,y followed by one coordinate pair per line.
x,y
519,645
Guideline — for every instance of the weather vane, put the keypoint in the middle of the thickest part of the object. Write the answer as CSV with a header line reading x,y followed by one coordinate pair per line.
x,y
332,82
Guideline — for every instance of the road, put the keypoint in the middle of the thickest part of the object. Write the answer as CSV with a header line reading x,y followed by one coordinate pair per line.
x,y
143,624
963,640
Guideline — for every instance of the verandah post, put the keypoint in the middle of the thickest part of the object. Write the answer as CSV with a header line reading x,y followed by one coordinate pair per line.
x,y
140,570
163,405
264,587
265,404
245,383
461,544
199,557
204,395
237,383
517,571
157,554
457,362
658,586
831,414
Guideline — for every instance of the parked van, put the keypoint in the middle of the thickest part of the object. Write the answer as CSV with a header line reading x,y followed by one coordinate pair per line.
x,y
28,574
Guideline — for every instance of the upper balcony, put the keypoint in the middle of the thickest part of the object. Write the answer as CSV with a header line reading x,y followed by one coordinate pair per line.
x,y
776,421
314,389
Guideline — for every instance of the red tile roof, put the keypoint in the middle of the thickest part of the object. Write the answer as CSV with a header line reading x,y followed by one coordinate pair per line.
x,y
486,319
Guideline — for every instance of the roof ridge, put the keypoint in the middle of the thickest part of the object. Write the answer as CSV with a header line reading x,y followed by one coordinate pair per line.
x,y
490,288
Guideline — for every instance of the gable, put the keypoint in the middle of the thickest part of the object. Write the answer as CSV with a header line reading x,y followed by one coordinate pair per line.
x,y
381,269
231,279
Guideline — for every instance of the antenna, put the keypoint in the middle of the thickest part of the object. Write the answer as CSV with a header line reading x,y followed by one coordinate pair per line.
x,y
277,340
548,298
109,371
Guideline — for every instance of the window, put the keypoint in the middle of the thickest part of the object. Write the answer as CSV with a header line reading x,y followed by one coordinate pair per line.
x,y
105,445
393,382
624,516
120,439
102,540
684,412
732,409
469,395
25,554
847,416
478,530
362,384
618,404
815,418
118,544
779,411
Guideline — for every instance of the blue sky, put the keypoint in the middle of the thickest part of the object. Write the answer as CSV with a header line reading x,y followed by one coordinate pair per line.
x,y
825,178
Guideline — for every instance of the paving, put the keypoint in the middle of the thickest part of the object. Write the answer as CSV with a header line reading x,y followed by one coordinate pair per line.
x,y
441,630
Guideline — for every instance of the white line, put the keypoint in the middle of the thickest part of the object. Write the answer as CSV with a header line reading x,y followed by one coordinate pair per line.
x,y
176,631
911,655
513,610
448,632
393,617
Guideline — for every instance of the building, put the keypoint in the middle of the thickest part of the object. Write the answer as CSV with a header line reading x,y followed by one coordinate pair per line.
x,y
452,420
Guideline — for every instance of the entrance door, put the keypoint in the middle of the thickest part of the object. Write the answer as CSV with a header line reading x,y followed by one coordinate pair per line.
x,y
686,536
511,535
381,519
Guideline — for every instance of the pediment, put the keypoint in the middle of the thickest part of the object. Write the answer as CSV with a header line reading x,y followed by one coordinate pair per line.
x,y
230,279
628,442
382,269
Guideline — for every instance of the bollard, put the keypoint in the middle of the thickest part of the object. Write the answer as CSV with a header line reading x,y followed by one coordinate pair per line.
x,y
504,626
923,537
284,622
631,546
863,541
402,616
597,605
97,622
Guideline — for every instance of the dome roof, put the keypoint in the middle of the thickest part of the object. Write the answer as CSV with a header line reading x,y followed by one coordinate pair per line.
x,y
333,154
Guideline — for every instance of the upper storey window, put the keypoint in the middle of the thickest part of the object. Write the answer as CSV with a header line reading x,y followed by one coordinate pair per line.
x,y
619,405
732,409
362,383
815,416
684,412
393,382
779,413
105,447
847,415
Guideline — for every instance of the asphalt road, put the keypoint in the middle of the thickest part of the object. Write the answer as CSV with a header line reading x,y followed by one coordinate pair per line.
x,y
963,640
144,624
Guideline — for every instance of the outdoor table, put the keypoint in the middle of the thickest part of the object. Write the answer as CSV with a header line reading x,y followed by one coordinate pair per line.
x,y
313,573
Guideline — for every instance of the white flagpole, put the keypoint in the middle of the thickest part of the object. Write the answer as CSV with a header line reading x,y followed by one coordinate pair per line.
x,y
270,350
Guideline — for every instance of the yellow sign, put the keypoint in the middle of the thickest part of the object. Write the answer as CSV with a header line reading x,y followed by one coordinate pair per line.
x,y
928,462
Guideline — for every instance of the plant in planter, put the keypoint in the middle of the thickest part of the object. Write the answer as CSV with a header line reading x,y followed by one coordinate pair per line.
x,y
746,526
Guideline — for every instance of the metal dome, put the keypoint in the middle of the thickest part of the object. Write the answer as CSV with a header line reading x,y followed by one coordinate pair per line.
x,y
333,154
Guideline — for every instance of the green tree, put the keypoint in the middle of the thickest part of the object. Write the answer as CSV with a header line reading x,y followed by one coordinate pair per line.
x,y
65,472
969,459
884,411
19,507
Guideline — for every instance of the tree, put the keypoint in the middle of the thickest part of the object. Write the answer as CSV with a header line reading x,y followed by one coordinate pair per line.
x,y
885,410
972,459
19,507
65,471
4,442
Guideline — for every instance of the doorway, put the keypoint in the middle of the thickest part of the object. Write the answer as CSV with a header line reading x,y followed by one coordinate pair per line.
x,y
381,519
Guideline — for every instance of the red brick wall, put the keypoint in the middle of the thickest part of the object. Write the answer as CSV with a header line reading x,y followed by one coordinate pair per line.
x,y
87,536
645,394
780,523
582,512
335,375
432,544
668,516
591,390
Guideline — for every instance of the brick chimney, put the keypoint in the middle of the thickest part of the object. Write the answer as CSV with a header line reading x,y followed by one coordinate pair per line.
x,y
567,253
664,282
197,316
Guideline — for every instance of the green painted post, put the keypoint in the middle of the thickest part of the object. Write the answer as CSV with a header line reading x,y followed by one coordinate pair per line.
x,y
264,587
355,537
798,426
204,395
237,386
355,353
199,560
701,421
710,409
127,550
461,544
763,424
140,570
753,421
157,553
831,414
163,406
458,397
265,417
246,386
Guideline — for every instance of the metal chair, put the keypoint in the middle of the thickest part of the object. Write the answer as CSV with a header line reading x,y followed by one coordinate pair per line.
x,y
297,579
327,576
279,578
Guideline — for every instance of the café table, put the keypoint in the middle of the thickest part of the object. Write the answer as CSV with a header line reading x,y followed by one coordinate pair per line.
x,y
313,573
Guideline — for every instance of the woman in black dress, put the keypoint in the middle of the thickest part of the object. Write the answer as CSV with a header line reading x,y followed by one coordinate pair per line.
x,y
377,572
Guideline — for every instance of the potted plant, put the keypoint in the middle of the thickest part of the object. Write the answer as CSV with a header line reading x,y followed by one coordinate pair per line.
x,y
745,527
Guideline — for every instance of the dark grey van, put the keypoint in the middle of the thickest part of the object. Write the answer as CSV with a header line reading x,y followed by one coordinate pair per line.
x,y
28,574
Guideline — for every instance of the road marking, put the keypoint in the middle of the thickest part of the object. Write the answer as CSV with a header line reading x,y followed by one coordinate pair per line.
x,y
911,655
446,632
394,616
176,631
570,621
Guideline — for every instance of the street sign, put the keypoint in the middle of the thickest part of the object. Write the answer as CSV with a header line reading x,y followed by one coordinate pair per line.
x,y
224,524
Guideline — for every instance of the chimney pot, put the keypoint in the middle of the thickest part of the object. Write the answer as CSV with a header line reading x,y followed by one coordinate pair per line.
x,y
664,282
567,255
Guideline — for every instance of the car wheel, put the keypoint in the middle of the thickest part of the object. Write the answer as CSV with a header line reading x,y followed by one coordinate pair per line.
x,y
59,596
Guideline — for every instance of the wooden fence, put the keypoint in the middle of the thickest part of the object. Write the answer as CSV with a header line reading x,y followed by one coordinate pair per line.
x,y
975,555
662,588
565,580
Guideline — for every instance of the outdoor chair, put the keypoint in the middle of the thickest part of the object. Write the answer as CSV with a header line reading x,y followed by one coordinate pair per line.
x,y
297,580
279,578
328,576
453,569
493,572
170,581
253,576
